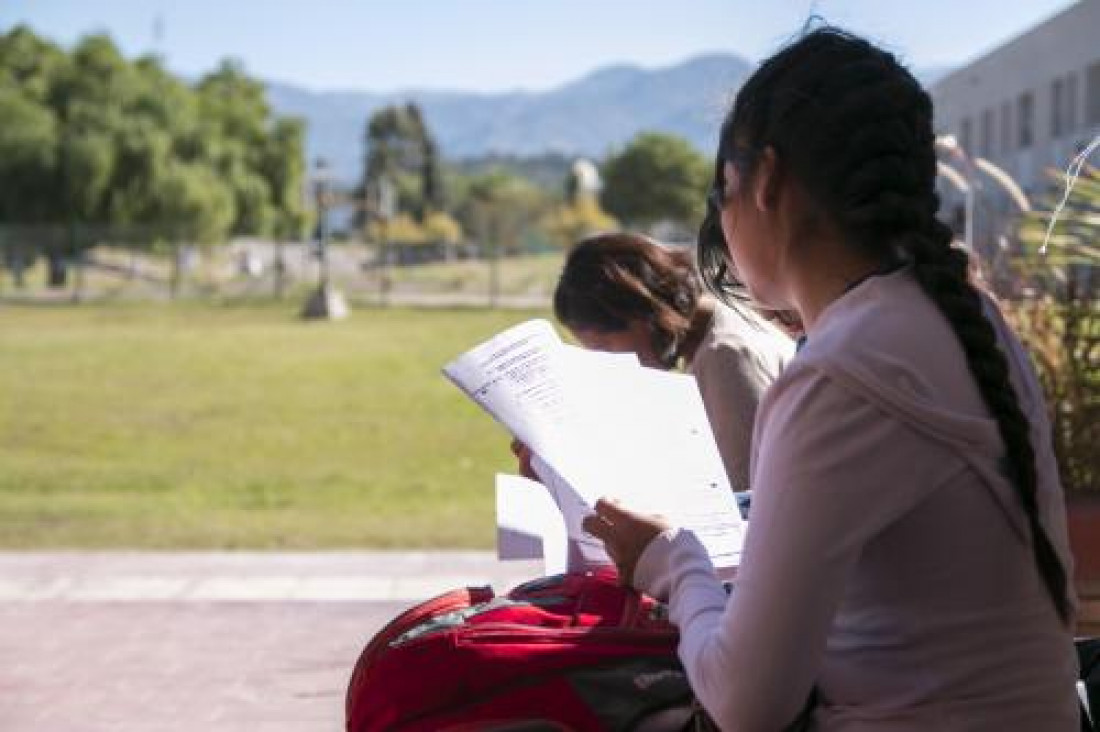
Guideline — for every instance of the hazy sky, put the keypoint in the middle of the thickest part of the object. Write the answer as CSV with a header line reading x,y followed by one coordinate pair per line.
x,y
496,45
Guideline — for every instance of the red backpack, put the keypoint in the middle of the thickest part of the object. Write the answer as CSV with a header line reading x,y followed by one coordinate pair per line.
x,y
570,652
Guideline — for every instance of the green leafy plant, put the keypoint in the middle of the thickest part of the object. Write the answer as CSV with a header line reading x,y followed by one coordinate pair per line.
x,y
1057,313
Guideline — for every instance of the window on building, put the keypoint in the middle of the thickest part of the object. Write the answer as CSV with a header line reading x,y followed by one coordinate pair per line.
x,y
966,134
985,142
1093,82
1025,114
1071,102
1057,108
1006,128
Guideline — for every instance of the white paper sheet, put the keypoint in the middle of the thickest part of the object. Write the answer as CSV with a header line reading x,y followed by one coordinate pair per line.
x,y
529,525
584,550
516,377
602,425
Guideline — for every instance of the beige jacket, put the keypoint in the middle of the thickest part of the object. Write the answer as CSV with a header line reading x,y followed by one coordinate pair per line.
x,y
738,358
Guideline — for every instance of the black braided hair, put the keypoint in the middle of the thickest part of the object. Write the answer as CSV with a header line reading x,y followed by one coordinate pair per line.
x,y
855,128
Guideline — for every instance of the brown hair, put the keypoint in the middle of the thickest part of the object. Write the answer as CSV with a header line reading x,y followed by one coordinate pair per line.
x,y
611,280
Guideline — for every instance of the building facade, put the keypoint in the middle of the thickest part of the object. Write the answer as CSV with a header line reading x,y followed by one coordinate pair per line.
x,y
1032,103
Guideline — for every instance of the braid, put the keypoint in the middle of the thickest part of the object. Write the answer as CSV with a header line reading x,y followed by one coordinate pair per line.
x,y
891,198
856,128
942,271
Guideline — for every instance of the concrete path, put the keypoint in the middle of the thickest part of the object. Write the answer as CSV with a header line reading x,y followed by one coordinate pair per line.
x,y
239,642
91,642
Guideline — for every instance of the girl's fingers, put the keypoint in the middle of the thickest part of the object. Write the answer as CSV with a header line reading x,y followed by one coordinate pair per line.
x,y
611,510
595,525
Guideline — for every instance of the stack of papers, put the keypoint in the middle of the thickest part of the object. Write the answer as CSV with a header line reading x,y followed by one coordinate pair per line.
x,y
601,425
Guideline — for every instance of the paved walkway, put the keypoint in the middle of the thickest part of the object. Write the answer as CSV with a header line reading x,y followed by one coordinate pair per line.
x,y
241,642
92,642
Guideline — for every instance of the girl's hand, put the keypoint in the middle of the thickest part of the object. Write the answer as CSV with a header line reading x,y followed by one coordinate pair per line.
x,y
523,456
625,534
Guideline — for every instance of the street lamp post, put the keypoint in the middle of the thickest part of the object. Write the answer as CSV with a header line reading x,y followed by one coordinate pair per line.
x,y
326,302
387,209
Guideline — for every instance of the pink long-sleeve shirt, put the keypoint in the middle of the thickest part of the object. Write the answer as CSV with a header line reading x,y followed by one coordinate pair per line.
x,y
888,560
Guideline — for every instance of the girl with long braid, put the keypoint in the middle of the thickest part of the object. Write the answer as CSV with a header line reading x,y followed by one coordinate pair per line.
x,y
906,564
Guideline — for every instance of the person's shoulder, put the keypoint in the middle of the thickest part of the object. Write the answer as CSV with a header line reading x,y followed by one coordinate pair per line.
x,y
883,318
888,343
738,333
872,333
798,393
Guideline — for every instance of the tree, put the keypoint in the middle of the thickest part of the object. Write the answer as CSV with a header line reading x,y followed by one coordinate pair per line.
x,y
167,102
190,203
1055,309
235,112
28,159
90,138
656,177
30,64
400,147
235,105
571,222
143,151
88,94
283,166
437,228
498,207
431,177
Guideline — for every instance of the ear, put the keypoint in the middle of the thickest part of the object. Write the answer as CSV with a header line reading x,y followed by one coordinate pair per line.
x,y
766,180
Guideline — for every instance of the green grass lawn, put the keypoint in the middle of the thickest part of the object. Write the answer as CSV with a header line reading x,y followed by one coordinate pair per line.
x,y
194,426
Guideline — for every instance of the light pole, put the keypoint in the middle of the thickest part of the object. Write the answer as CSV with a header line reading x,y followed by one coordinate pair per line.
x,y
387,209
326,302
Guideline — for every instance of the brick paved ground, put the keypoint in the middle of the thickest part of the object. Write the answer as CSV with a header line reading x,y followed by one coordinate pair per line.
x,y
217,642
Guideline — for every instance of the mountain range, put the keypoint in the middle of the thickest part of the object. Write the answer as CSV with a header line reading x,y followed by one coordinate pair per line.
x,y
590,116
